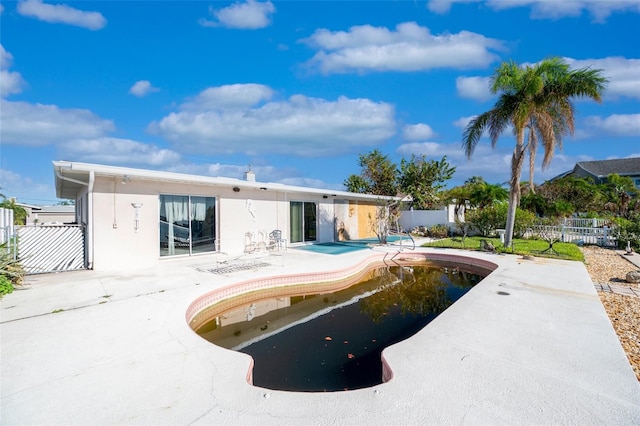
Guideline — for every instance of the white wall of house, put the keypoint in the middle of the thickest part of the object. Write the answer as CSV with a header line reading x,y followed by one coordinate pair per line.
x,y
118,245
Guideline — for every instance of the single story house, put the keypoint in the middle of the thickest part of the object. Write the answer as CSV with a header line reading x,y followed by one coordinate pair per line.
x,y
134,218
49,215
599,170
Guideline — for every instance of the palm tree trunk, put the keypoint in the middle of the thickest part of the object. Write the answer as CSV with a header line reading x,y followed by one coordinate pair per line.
x,y
514,191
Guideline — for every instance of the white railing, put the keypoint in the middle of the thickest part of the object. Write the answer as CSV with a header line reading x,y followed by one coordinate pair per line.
x,y
8,231
584,223
587,235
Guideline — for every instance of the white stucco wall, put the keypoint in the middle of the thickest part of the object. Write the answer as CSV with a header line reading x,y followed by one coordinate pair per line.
x,y
117,245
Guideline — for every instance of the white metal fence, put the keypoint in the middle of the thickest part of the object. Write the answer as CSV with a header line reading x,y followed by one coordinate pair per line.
x,y
584,223
7,230
601,236
44,249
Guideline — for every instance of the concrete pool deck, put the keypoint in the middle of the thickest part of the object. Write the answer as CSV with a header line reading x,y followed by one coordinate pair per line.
x,y
530,344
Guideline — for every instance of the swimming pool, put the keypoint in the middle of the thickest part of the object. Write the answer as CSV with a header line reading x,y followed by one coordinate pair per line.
x,y
308,338
344,247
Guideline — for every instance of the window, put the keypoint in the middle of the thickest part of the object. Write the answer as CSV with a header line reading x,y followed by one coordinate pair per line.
x,y
302,217
187,224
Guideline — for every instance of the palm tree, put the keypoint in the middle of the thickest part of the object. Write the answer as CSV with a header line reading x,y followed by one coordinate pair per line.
x,y
19,213
486,194
536,98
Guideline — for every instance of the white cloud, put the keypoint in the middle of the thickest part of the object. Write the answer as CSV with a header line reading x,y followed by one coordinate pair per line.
x,y
142,88
250,15
474,88
416,132
36,124
310,183
10,81
431,149
617,124
444,6
409,48
6,58
61,14
229,96
623,74
494,165
600,10
21,187
263,173
300,126
462,122
117,151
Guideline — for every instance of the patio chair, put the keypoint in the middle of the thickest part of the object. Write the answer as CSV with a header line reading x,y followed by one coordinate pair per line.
x,y
249,242
276,242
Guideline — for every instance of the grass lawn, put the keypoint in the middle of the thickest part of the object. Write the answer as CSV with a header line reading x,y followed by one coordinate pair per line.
x,y
540,248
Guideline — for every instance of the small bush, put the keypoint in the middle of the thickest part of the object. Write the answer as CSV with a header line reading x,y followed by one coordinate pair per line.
x,y
10,268
6,286
438,231
490,218
627,230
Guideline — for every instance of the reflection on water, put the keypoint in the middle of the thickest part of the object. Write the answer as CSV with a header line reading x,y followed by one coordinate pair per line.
x,y
333,341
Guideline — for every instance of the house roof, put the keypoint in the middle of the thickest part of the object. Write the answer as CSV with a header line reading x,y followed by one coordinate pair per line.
x,y
603,168
57,209
71,177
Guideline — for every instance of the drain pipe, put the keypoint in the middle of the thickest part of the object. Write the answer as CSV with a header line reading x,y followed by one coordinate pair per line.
x,y
89,234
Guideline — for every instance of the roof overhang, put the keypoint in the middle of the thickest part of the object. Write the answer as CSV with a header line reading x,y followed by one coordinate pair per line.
x,y
72,177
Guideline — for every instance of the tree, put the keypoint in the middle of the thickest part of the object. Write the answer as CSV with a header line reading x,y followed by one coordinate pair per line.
x,y
620,190
581,193
536,98
475,192
485,194
19,213
378,175
423,180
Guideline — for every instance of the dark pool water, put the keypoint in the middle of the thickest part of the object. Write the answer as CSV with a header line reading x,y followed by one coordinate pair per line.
x,y
334,341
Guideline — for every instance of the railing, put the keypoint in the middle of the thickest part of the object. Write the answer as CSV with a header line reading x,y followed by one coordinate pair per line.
x,y
587,235
8,231
584,223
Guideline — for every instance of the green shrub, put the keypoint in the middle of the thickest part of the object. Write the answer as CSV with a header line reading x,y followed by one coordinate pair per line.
x,y
627,230
10,268
6,286
438,231
488,219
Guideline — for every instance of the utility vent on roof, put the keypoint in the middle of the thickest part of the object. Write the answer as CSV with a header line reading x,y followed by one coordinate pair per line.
x,y
249,175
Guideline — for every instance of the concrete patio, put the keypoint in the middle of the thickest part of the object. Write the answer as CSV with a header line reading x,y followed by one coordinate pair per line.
x,y
530,344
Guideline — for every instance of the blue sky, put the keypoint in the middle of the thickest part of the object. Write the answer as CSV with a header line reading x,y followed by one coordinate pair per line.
x,y
296,89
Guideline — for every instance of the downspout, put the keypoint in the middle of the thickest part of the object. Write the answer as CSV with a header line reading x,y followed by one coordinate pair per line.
x,y
89,186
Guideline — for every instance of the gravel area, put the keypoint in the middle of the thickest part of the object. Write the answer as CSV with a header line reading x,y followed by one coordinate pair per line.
x,y
608,267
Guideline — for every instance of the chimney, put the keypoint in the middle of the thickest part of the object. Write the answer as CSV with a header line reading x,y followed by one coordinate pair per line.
x,y
249,175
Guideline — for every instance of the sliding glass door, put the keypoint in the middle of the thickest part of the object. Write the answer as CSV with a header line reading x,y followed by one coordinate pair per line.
x,y
187,225
303,222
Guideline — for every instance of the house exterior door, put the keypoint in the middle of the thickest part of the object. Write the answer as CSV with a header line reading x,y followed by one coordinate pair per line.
x,y
303,220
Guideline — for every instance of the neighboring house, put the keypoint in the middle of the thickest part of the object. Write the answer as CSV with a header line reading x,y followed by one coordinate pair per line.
x,y
134,217
599,170
49,215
